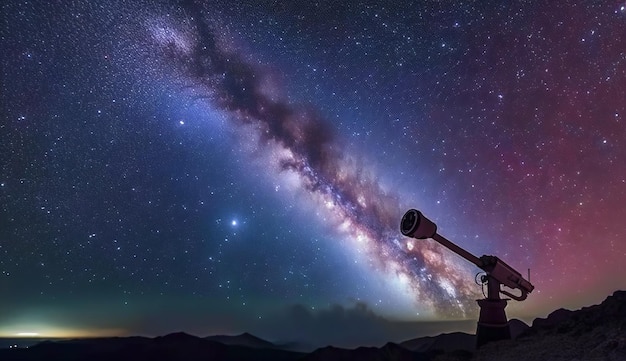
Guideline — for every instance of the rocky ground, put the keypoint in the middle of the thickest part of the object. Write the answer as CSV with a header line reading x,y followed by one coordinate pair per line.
x,y
592,333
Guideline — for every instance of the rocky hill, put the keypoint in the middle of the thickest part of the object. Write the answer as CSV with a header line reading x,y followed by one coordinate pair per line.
x,y
245,339
593,333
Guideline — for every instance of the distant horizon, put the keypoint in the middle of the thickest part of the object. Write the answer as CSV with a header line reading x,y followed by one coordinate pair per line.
x,y
93,332
7,341
407,326
399,331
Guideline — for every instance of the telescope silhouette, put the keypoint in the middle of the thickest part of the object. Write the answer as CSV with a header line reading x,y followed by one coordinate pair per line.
x,y
492,321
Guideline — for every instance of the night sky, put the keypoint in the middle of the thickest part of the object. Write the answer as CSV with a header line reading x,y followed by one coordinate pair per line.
x,y
219,167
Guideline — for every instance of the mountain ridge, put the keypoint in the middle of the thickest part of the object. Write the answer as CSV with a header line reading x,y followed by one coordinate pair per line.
x,y
596,332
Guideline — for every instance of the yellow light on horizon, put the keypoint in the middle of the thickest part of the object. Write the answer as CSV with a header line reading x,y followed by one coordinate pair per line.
x,y
60,332
27,334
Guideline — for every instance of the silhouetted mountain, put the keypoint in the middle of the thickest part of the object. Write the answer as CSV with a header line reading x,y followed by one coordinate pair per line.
x,y
176,346
448,342
517,327
296,346
245,339
390,351
553,318
445,342
177,337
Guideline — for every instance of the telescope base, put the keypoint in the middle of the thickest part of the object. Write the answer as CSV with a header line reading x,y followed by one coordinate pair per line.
x,y
492,323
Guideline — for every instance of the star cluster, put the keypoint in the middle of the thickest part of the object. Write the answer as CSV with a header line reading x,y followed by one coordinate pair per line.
x,y
212,165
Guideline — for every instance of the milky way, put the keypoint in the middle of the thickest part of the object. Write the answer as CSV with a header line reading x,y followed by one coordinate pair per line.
x,y
360,208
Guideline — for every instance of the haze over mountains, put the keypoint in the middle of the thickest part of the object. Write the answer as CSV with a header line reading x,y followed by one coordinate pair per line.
x,y
593,333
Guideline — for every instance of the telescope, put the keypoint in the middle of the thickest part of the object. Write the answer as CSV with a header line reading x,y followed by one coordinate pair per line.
x,y
492,321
